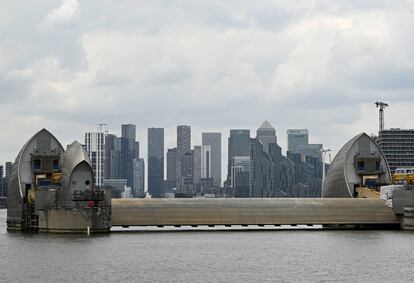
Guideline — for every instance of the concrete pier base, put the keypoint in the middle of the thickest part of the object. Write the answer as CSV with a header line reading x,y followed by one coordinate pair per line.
x,y
408,221
70,220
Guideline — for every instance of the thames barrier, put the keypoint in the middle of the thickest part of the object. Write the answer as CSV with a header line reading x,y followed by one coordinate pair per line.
x,y
272,211
51,191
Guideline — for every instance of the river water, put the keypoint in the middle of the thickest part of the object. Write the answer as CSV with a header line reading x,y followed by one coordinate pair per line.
x,y
208,256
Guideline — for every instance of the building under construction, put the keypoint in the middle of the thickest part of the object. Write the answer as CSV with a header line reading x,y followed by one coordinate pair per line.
x,y
396,144
398,147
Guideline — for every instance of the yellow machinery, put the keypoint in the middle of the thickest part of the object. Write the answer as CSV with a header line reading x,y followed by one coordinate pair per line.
x,y
56,178
403,176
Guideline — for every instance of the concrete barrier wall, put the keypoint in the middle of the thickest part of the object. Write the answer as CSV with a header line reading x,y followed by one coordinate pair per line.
x,y
282,211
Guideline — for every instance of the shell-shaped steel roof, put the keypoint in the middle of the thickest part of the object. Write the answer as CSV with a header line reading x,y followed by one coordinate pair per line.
x,y
22,151
74,155
32,138
336,183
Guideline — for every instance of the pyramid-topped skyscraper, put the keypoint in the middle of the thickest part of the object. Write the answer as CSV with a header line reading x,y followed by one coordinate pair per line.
x,y
266,134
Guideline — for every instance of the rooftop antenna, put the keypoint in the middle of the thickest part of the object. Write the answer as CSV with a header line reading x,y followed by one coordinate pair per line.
x,y
102,132
381,106
100,126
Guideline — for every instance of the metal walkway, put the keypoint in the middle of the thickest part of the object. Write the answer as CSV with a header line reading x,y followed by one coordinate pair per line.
x,y
276,211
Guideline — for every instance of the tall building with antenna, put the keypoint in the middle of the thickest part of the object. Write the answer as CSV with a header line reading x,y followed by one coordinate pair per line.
x,y
396,144
95,145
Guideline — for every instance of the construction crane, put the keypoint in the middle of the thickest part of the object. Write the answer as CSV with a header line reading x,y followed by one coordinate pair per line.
x,y
381,106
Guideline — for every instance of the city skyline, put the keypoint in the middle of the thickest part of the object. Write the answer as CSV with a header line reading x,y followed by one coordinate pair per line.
x,y
305,156
193,165
210,140
196,139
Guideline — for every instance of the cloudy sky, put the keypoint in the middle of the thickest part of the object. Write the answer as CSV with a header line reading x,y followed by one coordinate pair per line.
x,y
68,65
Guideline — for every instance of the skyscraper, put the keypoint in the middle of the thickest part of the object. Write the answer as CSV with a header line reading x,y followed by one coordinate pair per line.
x,y
155,161
266,135
187,174
261,171
7,174
183,147
308,163
136,151
1,181
314,150
297,137
287,177
297,159
315,174
240,176
94,143
202,164
171,168
240,164
197,164
214,141
206,165
239,145
275,153
129,148
138,178
113,157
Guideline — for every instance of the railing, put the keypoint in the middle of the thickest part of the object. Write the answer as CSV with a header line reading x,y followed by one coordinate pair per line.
x,y
88,195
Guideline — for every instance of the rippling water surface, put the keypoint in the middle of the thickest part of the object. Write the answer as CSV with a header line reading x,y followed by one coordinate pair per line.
x,y
230,256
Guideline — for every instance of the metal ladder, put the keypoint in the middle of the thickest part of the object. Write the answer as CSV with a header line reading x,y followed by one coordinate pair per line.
x,y
106,217
30,221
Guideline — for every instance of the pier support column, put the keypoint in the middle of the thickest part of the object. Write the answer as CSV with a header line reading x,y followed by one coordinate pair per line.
x,y
408,221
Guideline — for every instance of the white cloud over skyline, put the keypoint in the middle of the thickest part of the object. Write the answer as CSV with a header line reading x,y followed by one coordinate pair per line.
x,y
68,65
64,14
